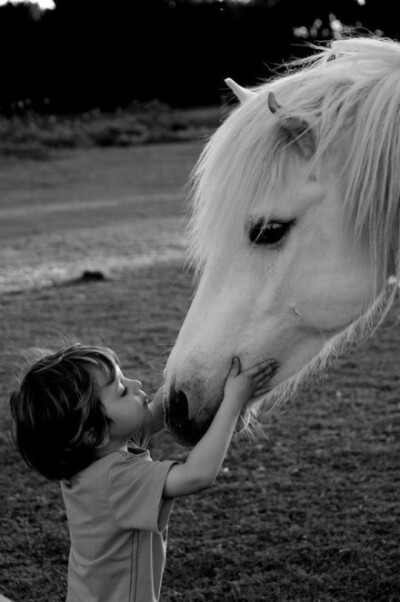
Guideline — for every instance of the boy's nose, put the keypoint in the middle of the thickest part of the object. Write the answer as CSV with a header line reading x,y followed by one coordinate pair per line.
x,y
134,384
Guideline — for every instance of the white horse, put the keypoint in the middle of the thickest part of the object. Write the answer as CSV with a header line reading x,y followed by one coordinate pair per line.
x,y
295,227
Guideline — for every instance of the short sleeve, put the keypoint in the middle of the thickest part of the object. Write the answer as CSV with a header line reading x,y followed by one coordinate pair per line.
x,y
135,489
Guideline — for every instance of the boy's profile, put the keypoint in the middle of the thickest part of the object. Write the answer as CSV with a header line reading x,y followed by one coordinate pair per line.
x,y
79,420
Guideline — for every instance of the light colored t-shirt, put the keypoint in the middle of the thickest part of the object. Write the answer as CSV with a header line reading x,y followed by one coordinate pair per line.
x,y
118,527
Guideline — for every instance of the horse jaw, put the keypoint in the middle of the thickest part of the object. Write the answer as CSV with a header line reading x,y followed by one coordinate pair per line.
x,y
188,422
192,401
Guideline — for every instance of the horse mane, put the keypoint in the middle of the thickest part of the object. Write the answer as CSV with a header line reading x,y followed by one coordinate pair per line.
x,y
349,93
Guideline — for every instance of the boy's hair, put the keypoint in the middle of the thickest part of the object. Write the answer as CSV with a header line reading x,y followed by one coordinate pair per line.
x,y
58,419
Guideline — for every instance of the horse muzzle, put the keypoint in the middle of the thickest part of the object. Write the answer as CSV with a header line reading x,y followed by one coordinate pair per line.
x,y
185,430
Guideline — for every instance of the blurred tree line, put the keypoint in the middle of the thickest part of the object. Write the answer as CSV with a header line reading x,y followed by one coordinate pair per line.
x,y
106,53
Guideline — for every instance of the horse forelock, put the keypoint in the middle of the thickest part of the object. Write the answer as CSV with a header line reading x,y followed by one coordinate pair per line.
x,y
234,171
350,95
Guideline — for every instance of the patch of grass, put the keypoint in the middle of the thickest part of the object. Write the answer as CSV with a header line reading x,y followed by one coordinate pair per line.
x,y
38,135
310,515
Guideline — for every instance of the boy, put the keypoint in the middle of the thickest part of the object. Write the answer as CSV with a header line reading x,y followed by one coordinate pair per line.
x,y
79,419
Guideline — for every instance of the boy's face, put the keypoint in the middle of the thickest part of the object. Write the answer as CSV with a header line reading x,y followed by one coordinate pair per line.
x,y
124,402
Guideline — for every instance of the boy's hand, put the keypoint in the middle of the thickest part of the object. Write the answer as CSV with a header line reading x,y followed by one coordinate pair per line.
x,y
240,386
205,460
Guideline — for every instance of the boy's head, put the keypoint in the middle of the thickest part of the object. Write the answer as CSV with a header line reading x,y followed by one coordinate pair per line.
x,y
58,417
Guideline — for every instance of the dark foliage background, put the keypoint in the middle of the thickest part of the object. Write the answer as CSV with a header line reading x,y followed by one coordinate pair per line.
x,y
103,54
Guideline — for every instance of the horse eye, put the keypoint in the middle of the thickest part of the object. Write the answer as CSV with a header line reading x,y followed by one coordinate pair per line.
x,y
269,233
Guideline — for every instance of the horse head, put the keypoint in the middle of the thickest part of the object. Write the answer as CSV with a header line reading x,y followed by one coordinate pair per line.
x,y
295,228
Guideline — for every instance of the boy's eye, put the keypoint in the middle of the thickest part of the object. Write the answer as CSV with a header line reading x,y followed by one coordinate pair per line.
x,y
124,392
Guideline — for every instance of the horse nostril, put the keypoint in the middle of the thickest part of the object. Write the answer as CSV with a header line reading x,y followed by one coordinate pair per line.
x,y
185,430
178,402
177,417
178,409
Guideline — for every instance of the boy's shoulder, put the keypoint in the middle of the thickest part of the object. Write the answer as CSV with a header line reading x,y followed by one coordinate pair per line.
x,y
99,470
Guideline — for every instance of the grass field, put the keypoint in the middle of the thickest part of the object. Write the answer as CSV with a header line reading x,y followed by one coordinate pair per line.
x,y
38,136
310,514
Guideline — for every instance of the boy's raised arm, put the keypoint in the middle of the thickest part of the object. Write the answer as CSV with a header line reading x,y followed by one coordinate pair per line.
x,y
205,460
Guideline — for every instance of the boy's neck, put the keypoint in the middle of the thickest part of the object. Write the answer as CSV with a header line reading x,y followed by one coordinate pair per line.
x,y
110,447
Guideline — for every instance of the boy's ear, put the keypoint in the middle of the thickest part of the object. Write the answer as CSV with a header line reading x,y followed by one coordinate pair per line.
x,y
90,438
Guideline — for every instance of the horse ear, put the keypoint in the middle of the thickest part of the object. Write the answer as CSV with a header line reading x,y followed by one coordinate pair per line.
x,y
299,129
241,93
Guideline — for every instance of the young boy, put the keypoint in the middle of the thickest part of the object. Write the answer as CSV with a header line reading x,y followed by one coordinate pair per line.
x,y
78,419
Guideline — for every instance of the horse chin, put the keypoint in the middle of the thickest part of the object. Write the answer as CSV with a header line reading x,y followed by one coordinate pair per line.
x,y
187,432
